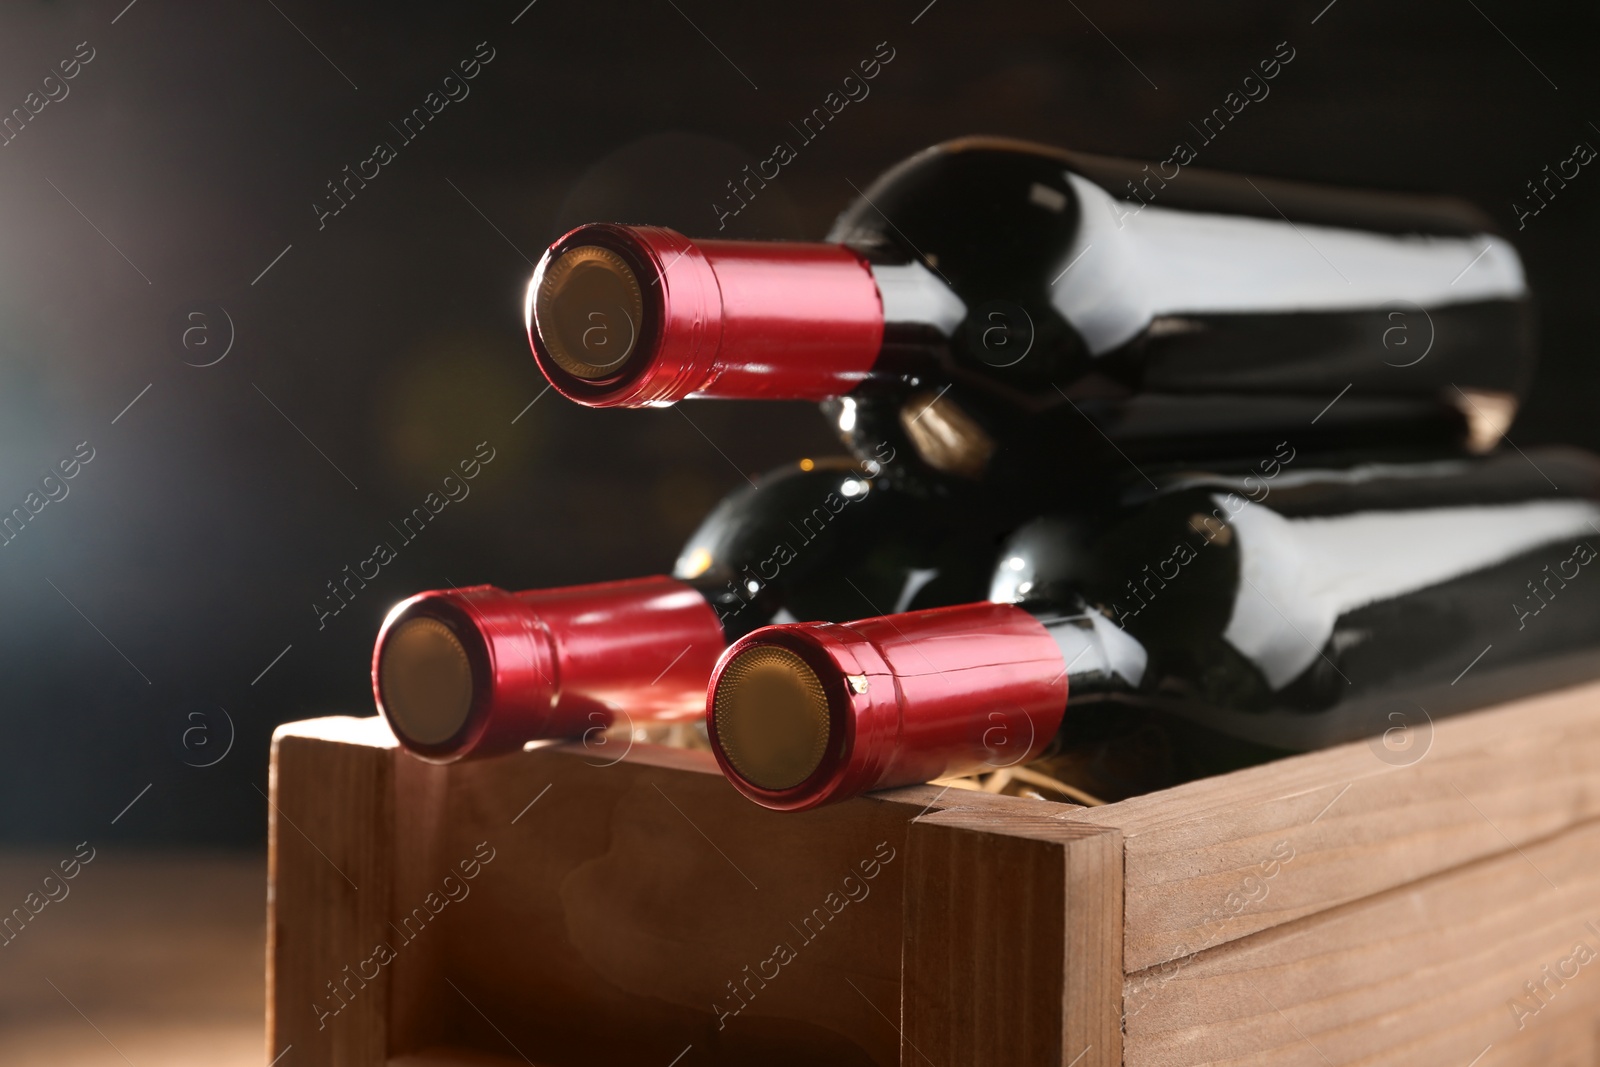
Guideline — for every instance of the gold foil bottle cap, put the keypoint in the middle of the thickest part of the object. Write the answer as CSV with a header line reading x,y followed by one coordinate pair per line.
x,y
426,680
589,311
771,717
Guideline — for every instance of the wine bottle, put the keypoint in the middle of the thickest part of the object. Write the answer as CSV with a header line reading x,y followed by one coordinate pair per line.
x,y
994,272
1217,622
477,671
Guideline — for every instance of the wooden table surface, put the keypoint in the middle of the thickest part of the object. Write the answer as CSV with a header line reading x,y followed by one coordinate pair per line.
x,y
151,959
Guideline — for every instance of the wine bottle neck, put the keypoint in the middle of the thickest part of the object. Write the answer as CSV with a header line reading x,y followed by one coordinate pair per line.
x,y
1098,656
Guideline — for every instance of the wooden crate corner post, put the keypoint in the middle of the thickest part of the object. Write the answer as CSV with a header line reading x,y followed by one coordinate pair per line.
x,y
1013,952
330,871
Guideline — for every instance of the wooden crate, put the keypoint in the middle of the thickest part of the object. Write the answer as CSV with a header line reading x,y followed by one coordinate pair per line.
x,y
1340,907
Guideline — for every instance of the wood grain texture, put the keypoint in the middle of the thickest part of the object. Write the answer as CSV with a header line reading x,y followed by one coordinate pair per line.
x,y
1013,941
650,891
330,876
1357,825
1570,1040
419,867
1431,973
644,892
1347,910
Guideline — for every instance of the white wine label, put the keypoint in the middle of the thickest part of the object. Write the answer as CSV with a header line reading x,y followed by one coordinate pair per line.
x,y
1156,261
1299,576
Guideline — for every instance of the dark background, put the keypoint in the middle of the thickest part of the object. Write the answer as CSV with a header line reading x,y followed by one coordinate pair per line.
x,y
141,611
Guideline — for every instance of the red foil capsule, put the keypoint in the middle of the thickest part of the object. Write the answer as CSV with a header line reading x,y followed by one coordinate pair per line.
x,y
478,671
638,316
805,714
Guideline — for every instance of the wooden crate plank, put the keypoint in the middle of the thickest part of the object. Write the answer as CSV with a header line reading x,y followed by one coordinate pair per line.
x,y
1570,1040
417,1019
330,872
1013,938
1355,824
601,913
648,891
1432,973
